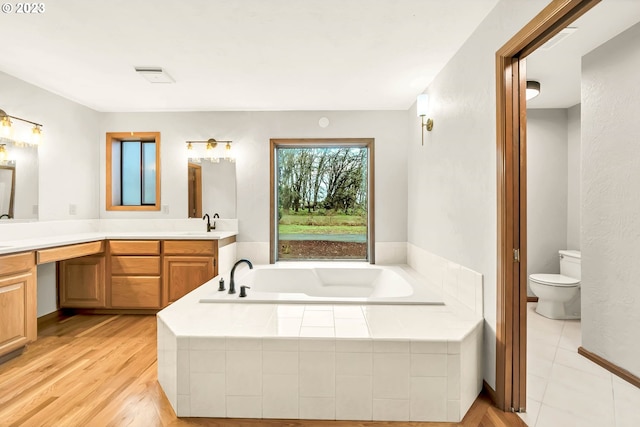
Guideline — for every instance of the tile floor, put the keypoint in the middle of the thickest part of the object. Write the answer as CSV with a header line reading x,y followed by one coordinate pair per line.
x,y
565,389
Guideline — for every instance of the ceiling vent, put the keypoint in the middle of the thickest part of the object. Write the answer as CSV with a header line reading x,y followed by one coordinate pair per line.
x,y
553,41
155,74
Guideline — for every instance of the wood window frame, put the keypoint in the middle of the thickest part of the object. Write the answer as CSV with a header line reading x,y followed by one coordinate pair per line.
x,y
511,119
368,143
131,136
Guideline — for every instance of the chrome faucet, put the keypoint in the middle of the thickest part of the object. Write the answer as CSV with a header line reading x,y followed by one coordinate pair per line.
x,y
232,282
209,226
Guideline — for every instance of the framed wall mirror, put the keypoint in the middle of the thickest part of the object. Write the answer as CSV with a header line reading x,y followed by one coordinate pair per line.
x,y
19,182
212,188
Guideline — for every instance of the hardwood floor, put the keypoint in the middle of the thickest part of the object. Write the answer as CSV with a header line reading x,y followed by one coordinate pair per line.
x,y
100,370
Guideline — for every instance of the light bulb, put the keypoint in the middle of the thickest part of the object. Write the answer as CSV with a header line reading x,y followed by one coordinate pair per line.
x,y
6,127
209,150
227,152
190,151
36,135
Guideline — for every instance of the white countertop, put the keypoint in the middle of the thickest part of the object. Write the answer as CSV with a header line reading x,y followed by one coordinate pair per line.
x,y
22,245
188,317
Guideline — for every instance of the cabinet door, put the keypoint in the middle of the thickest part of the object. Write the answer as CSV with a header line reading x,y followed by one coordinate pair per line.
x,y
82,283
182,274
17,311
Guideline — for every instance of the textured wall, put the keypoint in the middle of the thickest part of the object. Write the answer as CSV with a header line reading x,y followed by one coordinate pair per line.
x,y
611,201
452,178
573,178
68,155
546,189
251,132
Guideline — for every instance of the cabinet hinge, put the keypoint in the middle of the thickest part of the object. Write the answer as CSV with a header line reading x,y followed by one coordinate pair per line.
x,y
516,255
214,262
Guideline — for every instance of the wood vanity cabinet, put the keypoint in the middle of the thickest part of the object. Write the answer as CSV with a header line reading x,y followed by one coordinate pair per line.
x,y
82,282
135,274
18,318
187,265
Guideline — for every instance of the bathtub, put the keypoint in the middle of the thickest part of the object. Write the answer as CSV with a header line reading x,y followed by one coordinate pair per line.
x,y
314,283
348,341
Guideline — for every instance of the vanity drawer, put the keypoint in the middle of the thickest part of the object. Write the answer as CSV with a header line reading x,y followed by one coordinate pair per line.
x,y
16,263
135,292
62,253
190,247
135,265
134,247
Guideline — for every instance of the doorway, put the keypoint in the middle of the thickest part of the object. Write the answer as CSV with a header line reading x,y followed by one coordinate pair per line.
x,y
195,190
511,120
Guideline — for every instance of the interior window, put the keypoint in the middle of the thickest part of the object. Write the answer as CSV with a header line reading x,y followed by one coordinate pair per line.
x,y
322,200
133,171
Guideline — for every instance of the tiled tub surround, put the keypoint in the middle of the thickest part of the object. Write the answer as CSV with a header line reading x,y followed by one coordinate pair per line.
x,y
358,362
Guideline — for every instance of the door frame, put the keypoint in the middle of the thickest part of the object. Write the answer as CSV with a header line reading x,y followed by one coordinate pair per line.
x,y
511,120
194,192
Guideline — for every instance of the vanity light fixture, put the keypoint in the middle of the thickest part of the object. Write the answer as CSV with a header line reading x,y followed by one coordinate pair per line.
x,y
533,89
6,126
210,150
3,153
422,107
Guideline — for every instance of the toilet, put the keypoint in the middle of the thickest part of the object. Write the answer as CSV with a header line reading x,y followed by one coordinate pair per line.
x,y
559,294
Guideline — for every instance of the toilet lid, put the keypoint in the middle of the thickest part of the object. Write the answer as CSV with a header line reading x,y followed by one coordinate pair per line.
x,y
554,279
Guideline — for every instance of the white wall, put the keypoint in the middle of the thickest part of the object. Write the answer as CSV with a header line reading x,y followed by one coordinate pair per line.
x,y
68,155
547,189
611,201
68,161
573,178
452,179
251,132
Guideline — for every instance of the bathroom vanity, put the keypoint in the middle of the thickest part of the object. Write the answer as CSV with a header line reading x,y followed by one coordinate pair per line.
x,y
102,272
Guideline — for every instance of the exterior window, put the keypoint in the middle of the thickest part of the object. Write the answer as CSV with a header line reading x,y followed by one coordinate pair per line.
x,y
133,173
322,200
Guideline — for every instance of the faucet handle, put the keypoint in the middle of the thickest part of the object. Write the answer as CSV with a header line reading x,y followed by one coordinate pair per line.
x,y
221,284
243,292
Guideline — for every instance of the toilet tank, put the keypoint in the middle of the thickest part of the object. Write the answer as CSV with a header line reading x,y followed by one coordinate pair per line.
x,y
570,263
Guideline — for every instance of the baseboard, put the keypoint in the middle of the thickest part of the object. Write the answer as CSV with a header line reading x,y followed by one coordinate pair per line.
x,y
614,369
490,392
50,319
532,299
11,355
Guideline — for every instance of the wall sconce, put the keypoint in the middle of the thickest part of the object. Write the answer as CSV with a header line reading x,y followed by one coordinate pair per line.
x,y
533,89
6,128
210,150
422,107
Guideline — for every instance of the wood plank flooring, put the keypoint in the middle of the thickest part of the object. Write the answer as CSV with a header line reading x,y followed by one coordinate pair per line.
x,y
100,370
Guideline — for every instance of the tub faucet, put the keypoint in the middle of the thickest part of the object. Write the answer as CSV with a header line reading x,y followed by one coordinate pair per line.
x,y
209,226
232,283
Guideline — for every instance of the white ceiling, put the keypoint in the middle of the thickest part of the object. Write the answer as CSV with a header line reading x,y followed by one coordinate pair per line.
x,y
238,54
272,55
559,69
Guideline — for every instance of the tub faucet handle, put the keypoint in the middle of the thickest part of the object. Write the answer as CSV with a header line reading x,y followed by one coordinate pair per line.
x,y
243,292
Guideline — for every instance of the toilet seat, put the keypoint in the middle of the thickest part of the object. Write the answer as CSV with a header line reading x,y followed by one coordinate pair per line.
x,y
554,280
